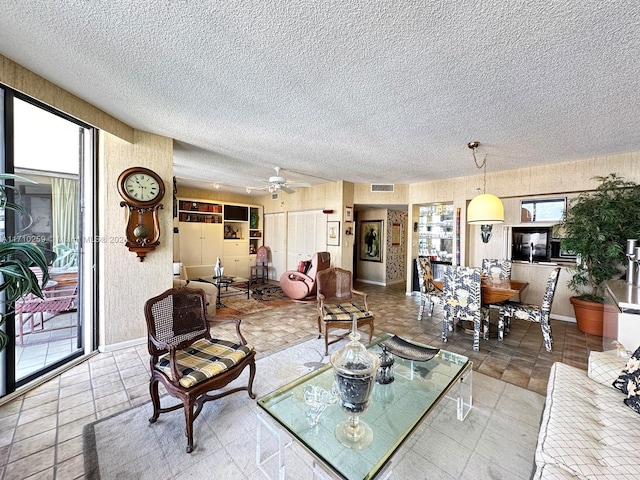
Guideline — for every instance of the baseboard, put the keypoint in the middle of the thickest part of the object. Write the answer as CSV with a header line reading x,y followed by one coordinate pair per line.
x,y
562,318
121,345
371,282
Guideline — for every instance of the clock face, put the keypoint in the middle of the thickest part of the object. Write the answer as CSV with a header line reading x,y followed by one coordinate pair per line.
x,y
141,187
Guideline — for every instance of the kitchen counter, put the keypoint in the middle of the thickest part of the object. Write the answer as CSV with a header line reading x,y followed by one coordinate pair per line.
x,y
621,320
626,296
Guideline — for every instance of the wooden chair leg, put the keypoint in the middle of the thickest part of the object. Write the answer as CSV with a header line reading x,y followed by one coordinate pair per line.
x,y
155,399
252,374
188,416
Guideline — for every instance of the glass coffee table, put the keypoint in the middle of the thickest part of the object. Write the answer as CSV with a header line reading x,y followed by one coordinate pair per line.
x,y
223,283
394,412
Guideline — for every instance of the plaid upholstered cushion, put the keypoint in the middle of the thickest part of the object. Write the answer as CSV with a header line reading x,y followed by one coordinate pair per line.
x,y
344,312
206,358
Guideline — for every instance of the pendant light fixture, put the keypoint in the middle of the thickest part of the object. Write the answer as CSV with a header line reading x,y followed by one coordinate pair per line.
x,y
484,209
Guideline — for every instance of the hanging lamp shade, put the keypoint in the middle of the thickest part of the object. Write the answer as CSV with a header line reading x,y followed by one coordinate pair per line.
x,y
485,209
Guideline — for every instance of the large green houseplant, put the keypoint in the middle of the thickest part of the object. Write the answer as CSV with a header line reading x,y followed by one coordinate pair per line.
x,y
16,258
596,227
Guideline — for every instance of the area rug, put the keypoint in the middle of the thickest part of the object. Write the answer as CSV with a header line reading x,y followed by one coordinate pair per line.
x,y
263,297
497,439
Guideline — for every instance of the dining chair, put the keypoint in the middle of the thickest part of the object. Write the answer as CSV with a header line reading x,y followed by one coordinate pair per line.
x,y
462,301
496,268
530,312
260,271
429,293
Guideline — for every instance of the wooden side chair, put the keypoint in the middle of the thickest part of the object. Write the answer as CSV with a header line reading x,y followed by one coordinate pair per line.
x,y
186,359
429,293
337,306
532,313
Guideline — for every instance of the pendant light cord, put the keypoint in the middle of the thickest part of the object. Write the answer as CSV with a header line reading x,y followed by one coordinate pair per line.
x,y
473,146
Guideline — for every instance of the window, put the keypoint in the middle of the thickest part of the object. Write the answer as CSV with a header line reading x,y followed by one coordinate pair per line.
x,y
547,210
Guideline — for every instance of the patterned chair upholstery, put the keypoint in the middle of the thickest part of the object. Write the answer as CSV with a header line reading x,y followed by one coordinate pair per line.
x,y
532,313
462,301
336,305
495,268
187,360
429,293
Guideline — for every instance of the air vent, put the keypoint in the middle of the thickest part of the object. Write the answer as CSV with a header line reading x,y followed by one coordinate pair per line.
x,y
274,196
381,187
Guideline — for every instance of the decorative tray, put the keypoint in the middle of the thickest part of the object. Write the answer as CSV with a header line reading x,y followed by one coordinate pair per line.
x,y
409,351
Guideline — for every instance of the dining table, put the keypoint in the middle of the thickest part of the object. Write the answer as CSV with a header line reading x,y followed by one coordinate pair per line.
x,y
494,290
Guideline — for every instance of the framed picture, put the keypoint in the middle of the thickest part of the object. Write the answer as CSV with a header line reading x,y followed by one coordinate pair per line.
x,y
333,234
348,214
395,234
371,240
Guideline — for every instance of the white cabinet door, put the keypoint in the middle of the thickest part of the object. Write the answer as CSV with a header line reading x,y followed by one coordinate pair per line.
x,y
212,238
200,243
236,266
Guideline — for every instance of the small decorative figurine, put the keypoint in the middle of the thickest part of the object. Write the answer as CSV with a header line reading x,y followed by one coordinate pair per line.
x,y
384,375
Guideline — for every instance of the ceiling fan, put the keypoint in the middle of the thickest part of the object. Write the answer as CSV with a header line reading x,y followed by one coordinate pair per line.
x,y
278,183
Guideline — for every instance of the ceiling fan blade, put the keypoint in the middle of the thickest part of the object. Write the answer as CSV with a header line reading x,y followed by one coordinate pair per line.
x,y
286,189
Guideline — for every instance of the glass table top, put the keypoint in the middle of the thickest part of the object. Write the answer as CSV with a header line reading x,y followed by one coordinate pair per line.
x,y
395,410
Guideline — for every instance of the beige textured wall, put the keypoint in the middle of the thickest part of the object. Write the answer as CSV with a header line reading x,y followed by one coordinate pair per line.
x,y
27,82
126,283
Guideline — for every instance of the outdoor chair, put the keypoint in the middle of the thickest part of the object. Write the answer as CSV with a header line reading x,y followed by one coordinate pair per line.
x,y
429,293
187,360
337,306
461,296
532,313
53,302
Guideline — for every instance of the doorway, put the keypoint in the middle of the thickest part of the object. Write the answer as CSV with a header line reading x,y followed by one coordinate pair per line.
x,y
52,157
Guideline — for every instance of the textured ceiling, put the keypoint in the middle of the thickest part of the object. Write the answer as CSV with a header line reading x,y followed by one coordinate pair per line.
x,y
358,90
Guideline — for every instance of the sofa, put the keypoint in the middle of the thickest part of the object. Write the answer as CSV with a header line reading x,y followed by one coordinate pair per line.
x,y
188,278
587,432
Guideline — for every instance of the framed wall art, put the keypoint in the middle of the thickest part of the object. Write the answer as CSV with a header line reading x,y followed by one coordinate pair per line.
x,y
348,214
395,234
333,234
371,238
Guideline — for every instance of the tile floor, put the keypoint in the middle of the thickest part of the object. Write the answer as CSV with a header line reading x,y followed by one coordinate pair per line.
x,y
41,431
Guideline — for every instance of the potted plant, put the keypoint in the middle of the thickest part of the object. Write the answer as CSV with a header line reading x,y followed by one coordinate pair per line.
x,y
596,227
16,278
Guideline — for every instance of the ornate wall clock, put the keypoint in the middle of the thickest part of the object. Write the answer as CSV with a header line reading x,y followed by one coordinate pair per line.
x,y
142,191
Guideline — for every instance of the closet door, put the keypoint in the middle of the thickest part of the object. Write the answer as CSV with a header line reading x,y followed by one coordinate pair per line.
x,y
275,235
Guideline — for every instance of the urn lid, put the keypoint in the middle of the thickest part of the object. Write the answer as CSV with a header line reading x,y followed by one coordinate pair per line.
x,y
354,358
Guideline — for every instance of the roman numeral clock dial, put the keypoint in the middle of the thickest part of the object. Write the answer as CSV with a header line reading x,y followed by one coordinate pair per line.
x,y
142,191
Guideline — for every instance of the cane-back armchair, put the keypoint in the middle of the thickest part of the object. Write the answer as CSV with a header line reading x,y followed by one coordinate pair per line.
x,y
186,359
337,305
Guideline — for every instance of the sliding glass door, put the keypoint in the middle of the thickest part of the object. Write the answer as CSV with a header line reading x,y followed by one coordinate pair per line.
x,y
52,157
